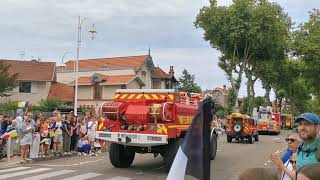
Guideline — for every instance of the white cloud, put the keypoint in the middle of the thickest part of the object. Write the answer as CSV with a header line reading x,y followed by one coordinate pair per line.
x,y
48,28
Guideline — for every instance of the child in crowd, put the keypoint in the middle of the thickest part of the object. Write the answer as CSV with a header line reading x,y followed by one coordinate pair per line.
x,y
45,137
57,127
97,147
83,146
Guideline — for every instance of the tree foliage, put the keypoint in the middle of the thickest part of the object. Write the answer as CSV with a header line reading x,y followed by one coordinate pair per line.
x,y
7,81
246,32
187,83
259,101
307,47
231,100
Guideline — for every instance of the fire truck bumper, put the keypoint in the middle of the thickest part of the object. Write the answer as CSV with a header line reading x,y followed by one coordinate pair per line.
x,y
133,139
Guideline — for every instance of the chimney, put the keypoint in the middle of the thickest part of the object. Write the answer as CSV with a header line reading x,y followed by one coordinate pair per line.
x,y
224,88
171,72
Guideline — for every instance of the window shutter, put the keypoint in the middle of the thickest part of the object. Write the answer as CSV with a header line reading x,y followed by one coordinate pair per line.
x,y
34,87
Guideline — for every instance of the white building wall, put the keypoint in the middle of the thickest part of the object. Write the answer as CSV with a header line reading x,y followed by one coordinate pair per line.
x,y
133,85
146,79
109,91
85,92
39,90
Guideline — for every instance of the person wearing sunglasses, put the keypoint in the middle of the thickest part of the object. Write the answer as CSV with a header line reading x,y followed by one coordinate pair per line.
x,y
286,170
308,129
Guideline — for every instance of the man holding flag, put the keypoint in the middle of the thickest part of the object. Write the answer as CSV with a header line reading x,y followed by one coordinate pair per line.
x,y
193,156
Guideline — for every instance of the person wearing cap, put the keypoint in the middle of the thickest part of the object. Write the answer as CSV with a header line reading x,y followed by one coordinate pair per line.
x,y
308,129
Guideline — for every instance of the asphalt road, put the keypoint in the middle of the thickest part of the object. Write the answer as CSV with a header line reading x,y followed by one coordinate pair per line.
x,y
231,160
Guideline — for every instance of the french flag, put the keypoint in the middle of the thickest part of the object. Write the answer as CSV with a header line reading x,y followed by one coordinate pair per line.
x,y
193,157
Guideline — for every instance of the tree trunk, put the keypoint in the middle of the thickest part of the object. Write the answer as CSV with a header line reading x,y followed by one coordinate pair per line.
x,y
267,94
253,94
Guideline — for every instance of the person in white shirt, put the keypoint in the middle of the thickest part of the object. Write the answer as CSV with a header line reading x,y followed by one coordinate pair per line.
x,y
91,126
19,118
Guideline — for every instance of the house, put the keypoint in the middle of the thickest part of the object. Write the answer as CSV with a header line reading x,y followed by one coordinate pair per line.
x,y
34,80
98,79
220,95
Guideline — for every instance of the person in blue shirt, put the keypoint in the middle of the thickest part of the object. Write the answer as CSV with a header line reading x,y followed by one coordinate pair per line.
x,y
308,129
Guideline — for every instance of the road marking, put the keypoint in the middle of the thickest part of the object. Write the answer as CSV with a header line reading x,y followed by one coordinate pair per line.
x,y
13,169
6,176
118,178
48,175
83,176
67,165
52,165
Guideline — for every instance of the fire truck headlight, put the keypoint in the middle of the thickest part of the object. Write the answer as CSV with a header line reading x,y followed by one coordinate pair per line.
x,y
130,128
123,127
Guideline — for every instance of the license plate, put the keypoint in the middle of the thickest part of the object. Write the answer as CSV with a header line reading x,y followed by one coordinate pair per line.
x,y
104,135
131,136
154,138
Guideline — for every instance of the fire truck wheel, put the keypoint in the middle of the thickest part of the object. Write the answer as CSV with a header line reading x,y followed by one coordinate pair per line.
x,y
213,143
256,137
120,157
170,154
229,139
250,139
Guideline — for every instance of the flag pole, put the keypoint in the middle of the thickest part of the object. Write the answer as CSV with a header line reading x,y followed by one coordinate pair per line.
x,y
9,148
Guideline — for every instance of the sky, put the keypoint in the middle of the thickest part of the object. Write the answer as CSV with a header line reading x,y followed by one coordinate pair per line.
x,y
47,29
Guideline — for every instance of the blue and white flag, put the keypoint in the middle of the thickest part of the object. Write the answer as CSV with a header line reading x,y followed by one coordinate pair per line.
x,y
193,156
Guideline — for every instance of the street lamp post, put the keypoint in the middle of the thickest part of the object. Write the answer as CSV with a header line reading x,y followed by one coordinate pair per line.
x,y
93,32
64,55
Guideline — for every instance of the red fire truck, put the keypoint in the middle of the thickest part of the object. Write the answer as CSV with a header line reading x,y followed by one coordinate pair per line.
x,y
267,122
148,121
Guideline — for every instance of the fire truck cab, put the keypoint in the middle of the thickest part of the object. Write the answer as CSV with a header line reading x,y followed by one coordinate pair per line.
x,y
148,121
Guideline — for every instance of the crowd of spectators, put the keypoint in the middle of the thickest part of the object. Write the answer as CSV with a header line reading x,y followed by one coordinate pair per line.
x,y
58,135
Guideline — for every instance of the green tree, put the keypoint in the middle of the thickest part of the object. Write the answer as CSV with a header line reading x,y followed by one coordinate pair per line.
x,y
307,47
7,81
259,101
187,84
231,100
246,32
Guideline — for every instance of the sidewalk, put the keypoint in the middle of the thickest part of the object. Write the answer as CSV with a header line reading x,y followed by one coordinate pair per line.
x,y
16,160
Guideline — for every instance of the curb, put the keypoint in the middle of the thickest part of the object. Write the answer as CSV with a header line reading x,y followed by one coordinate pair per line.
x,y
51,158
17,161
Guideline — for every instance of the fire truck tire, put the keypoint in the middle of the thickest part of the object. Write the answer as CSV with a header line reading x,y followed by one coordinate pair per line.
x,y
170,154
250,139
229,139
213,143
120,157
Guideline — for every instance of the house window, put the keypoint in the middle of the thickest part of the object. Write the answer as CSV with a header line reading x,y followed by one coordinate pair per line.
x,y
97,91
123,86
25,87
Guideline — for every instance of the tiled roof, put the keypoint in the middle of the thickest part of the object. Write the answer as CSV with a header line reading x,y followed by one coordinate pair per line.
x,y
224,91
107,80
32,70
161,74
62,92
128,61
